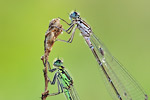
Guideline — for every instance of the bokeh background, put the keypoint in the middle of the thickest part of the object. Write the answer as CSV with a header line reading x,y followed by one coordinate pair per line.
x,y
123,26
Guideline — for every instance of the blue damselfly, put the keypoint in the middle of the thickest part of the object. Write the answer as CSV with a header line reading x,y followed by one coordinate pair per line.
x,y
121,82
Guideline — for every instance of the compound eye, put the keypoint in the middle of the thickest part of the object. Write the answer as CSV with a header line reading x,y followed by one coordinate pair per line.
x,y
75,13
58,61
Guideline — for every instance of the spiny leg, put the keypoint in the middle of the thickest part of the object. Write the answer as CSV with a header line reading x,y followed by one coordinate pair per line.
x,y
58,83
54,79
52,70
59,86
71,38
70,28
65,21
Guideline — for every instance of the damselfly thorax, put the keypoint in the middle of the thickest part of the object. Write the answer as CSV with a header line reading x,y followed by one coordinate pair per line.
x,y
84,28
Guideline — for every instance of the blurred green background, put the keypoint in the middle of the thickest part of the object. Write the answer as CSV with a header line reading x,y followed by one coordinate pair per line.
x,y
124,27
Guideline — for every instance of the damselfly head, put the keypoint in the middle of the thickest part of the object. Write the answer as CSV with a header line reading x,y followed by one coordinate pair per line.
x,y
74,15
58,63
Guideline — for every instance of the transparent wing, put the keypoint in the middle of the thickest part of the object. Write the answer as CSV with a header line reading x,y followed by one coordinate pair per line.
x,y
73,93
124,83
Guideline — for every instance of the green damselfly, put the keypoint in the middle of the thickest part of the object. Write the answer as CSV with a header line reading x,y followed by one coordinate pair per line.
x,y
64,81
124,87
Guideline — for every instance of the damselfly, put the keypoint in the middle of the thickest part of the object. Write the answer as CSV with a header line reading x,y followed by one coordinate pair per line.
x,y
124,87
64,81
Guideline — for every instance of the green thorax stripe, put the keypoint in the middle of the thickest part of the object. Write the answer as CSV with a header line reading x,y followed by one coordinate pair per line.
x,y
65,78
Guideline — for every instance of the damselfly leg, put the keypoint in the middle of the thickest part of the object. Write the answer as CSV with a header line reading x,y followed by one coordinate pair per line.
x,y
65,21
59,86
71,38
